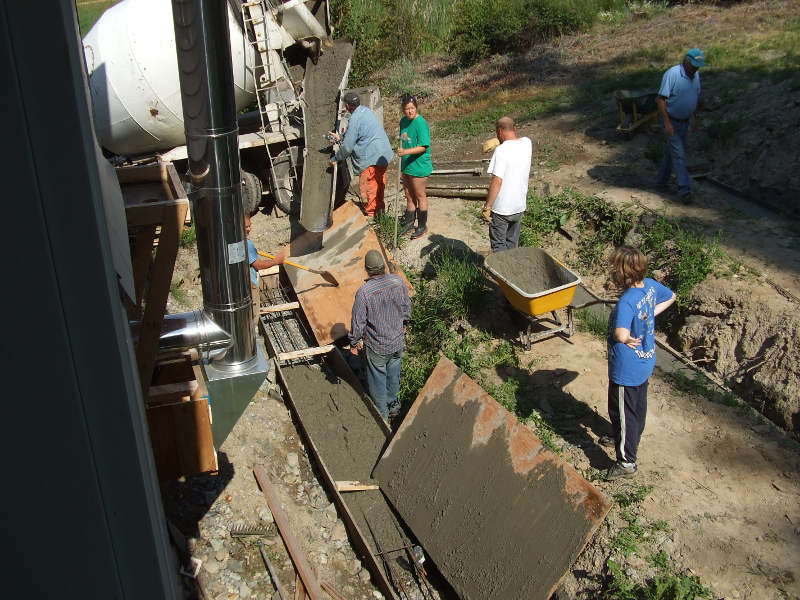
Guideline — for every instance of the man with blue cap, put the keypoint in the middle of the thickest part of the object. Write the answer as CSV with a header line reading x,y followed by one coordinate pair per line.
x,y
677,107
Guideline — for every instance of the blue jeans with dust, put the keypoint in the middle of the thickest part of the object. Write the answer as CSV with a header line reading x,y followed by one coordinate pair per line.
x,y
383,379
675,158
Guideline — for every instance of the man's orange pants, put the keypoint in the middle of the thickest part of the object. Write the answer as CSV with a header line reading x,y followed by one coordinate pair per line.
x,y
372,183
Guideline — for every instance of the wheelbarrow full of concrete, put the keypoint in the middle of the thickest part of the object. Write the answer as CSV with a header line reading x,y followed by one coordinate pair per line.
x,y
537,286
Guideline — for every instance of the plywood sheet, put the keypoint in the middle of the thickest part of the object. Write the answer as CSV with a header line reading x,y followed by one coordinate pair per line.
x,y
344,245
500,515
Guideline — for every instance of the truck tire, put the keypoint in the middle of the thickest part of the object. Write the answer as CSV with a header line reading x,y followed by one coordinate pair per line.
x,y
251,192
286,189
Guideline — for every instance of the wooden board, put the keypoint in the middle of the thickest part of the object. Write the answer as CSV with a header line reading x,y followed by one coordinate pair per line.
x,y
344,246
500,515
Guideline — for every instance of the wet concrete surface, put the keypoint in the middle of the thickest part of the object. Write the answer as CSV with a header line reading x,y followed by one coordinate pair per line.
x,y
500,515
350,441
531,270
321,89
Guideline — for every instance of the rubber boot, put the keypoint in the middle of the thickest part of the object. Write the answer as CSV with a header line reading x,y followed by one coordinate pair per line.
x,y
408,221
422,224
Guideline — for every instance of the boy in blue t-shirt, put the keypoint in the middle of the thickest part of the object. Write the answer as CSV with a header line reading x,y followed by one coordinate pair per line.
x,y
631,353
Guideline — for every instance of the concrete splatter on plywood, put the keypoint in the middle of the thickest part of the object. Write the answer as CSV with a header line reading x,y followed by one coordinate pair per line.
x,y
499,514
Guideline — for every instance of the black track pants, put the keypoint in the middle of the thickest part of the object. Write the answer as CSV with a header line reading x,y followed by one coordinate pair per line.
x,y
627,409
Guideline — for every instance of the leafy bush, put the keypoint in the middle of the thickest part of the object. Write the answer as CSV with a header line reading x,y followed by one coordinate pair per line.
x,y
483,27
686,255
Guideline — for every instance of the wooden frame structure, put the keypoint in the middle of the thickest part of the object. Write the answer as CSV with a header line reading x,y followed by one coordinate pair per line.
x,y
176,399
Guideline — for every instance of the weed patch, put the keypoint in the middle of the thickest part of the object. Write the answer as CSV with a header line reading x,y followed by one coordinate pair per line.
x,y
591,322
177,292
384,229
188,236
686,256
702,386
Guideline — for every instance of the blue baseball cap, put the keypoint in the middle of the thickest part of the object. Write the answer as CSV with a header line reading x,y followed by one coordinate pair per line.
x,y
696,57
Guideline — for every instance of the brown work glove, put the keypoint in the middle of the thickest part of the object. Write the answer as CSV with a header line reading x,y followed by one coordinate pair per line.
x,y
486,213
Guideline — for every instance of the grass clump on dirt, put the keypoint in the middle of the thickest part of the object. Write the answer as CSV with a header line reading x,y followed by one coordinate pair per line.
x,y
384,229
667,583
457,292
188,236
681,256
591,322
686,256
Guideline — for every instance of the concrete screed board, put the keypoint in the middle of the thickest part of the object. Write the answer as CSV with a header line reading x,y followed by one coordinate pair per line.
x,y
500,515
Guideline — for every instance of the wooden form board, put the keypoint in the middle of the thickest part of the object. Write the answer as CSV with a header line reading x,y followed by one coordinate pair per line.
x,y
500,515
179,418
327,307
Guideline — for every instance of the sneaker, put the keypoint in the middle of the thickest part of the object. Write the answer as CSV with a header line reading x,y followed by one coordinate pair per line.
x,y
662,187
419,232
618,470
607,441
686,198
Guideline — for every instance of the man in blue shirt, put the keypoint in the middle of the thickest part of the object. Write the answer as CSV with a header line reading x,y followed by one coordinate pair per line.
x,y
677,106
380,310
366,141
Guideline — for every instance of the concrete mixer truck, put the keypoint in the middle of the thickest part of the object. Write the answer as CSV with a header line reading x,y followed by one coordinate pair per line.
x,y
286,69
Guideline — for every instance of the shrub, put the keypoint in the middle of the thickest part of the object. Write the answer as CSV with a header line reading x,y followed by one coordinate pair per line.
x,y
483,27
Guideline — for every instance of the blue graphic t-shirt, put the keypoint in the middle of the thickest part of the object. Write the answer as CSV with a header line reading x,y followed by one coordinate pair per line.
x,y
252,256
635,312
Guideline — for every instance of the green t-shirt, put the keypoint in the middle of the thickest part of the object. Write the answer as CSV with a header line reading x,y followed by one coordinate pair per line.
x,y
418,133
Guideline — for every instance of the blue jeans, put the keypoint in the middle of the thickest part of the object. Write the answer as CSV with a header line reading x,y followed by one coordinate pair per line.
x,y
383,379
675,157
504,231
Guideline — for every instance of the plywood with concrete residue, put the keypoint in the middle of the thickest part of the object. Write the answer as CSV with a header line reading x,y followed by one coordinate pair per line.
x,y
500,515
344,245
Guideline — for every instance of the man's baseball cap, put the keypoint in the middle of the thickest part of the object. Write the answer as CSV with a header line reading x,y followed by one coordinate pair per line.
x,y
696,57
352,99
373,261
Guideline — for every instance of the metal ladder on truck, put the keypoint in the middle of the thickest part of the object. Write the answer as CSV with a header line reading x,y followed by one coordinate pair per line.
x,y
271,91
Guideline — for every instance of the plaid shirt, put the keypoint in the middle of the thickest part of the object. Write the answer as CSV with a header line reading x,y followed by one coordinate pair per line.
x,y
380,308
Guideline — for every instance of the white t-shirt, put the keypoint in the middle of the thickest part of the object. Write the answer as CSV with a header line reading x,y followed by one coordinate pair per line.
x,y
511,162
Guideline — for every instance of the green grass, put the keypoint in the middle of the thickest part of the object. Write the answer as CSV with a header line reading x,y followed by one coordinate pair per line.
x,y
188,236
702,386
667,585
457,292
177,292
88,13
634,496
591,322
384,229
688,256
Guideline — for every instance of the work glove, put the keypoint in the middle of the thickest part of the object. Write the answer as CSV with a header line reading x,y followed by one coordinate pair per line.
x,y
487,214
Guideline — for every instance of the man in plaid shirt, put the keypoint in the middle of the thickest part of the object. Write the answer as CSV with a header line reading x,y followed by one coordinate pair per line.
x,y
380,310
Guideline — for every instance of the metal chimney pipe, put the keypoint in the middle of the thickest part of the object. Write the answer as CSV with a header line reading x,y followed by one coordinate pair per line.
x,y
209,114
184,331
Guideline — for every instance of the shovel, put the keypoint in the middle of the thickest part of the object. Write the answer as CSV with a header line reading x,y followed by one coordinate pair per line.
x,y
326,275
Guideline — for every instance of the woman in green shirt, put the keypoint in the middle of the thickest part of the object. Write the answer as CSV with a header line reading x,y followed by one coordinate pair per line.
x,y
415,154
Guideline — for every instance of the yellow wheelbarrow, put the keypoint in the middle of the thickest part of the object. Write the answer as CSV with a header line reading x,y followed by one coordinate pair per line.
x,y
536,284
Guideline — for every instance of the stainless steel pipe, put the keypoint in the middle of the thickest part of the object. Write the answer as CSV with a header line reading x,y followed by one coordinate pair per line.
x,y
186,331
209,114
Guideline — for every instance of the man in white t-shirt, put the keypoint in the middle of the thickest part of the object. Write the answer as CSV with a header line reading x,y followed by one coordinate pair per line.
x,y
508,192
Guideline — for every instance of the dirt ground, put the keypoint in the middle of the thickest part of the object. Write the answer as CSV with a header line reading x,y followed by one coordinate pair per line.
x,y
724,483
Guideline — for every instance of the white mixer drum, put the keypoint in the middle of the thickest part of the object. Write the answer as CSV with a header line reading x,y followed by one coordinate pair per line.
x,y
133,76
